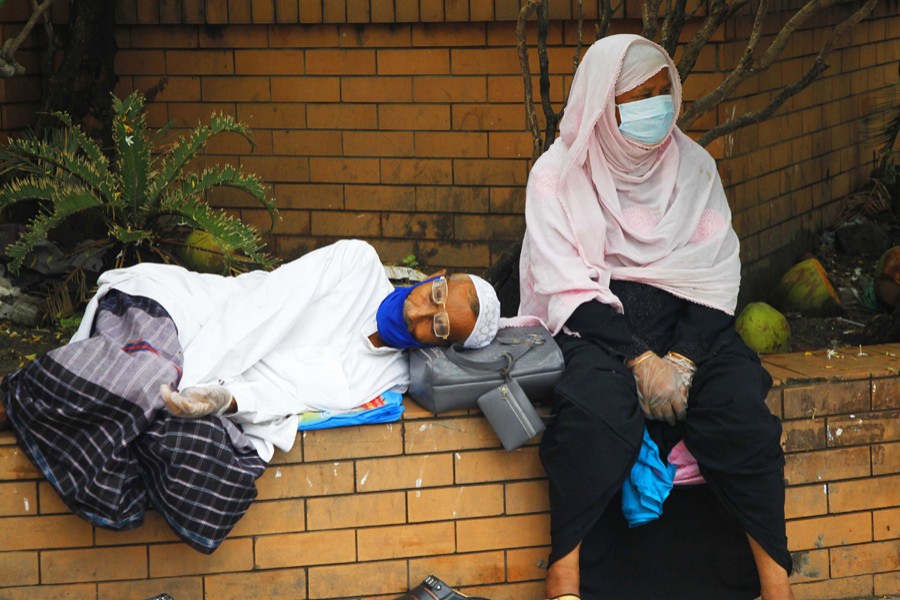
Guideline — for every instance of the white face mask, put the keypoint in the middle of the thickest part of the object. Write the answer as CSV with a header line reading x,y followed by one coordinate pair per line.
x,y
648,120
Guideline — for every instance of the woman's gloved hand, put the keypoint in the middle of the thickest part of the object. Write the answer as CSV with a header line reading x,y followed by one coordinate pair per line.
x,y
660,388
194,402
685,367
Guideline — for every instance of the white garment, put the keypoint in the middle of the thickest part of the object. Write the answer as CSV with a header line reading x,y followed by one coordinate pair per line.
x,y
284,342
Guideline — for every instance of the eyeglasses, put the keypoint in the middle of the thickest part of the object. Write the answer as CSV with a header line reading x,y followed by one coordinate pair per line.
x,y
441,322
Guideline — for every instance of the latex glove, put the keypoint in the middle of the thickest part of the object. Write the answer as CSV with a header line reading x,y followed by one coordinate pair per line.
x,y
659,386
686,369
194,402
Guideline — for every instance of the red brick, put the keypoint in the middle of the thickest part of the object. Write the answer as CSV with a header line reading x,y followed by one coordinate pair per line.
x,y
527,564
268,62
416,171
357,510
168,560
380,197
308,196
448,34
490,172
272,115
406,472
449,89
305,142
452,199
346,581
19,568
417,226
300,481
239,11
289,584
274,516
378,143
886,524
92,564
18,499
810,565
135,62
26,533
230,89
199,62
493,61
85,591
414,62
805,501
340,62
510,145
444,435
334,12
306,89
867,428
878,557
310,11
527,497
455,255
451,144
497,465
488,117
887,584
277,168
352,442
507,200
191,114
376,89
864,494
344,170
414,116
343,116
403,541
469,227
459,569
824,532
886,393
382,11
177,587
849,587
303,549
830,465
803,435
354,36
303,36
503,532
458,502
178,89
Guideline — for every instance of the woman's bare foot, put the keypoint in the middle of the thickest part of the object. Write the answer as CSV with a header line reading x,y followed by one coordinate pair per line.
x,y
564,576
773,579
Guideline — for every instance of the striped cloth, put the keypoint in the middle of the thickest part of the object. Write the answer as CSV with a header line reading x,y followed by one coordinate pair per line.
x,y
90,416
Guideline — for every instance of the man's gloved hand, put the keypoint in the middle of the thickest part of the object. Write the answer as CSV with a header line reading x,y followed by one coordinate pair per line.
x,y
194,402
660,389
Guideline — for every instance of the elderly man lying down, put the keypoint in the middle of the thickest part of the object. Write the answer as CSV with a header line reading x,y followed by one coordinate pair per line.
x,y
178,385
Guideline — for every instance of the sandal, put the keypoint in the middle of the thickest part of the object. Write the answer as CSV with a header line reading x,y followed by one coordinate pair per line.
x,y
433,588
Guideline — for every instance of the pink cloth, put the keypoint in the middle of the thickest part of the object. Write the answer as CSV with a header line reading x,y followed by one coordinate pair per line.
x,y
600,206
687,472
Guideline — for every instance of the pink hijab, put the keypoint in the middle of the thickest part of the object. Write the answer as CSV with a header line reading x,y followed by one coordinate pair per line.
x,y
600,206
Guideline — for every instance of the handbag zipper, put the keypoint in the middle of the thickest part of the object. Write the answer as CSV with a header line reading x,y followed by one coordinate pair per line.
x,y
517,410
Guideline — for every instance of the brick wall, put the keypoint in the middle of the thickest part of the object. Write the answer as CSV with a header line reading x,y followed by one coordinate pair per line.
x,y
401,121
366,512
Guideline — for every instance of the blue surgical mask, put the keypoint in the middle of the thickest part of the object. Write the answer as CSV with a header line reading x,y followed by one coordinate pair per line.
x,y
391,324
647,121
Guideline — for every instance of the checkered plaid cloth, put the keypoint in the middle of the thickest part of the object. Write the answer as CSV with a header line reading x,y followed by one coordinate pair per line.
x,y
91,417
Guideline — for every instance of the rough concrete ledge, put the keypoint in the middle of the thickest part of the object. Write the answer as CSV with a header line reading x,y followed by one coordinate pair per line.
x,y
366,512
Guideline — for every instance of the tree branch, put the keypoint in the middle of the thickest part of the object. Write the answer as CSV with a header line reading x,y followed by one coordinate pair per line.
x,y
8,65
814,71
717,14
522,48
650,17
672,26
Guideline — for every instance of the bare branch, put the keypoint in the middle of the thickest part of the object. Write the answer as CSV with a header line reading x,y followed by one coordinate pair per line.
x,y
9,66
522,46
552,118
718,13
814,71
580,42
650,16
672,26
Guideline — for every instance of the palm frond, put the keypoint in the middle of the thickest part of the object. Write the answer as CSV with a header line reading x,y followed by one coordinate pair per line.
x,y
242,246
187,148
87,145
26,188
130,135
193,184
37,157
65,203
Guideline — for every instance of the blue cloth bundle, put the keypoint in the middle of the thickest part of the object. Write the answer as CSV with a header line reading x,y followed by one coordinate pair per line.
x,y
647,486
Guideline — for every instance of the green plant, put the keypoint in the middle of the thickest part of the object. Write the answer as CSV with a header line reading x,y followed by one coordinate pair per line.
x,y
411,261
146,198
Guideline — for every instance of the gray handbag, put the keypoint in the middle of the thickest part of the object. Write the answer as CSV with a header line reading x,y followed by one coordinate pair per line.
x,y
511,414
445,379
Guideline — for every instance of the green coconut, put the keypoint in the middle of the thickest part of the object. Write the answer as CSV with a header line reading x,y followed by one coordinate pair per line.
x,y
806,289
887,277
201,253
764,329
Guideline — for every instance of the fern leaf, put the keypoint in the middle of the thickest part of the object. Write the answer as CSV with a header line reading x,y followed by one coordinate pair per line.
x,y
38,157
131,138
194,185
87,145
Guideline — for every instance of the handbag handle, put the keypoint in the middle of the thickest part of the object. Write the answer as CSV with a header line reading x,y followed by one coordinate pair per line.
x,y
503,364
